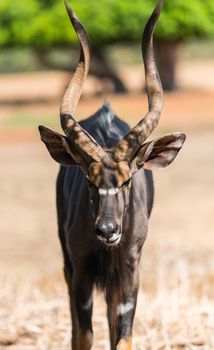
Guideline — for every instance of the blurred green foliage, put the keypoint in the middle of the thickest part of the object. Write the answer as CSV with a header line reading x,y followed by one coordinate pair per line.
x,y
22,119
44,23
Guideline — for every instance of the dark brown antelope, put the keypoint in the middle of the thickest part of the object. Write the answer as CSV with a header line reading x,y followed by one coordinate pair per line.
x,y
105,196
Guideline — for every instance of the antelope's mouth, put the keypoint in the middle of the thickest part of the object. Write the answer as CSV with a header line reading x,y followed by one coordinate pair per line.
x,y
110,241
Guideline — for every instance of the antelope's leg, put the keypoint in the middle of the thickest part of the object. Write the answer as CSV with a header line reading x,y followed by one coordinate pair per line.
x,y
75,331
121,311
82,289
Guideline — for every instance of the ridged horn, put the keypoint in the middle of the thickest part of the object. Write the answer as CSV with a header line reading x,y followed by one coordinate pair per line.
x,y
74,90
129,145
86,145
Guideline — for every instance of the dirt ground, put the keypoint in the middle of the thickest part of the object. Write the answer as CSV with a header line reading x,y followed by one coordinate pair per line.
x,y
176,301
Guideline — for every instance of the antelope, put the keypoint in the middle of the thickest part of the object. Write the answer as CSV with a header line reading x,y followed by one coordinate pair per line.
x,y
105,195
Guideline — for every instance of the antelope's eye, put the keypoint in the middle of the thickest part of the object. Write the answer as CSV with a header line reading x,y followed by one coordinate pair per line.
x,y
127,184
91,185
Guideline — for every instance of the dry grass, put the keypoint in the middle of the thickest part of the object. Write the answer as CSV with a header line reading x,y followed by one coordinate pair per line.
x,y
180,313
175,311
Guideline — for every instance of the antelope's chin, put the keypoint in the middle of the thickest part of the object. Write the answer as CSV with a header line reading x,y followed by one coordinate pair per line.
x,y
110,242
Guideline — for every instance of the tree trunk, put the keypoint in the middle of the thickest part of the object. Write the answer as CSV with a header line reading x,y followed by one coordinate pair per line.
x,y
101,68
166,53
45,61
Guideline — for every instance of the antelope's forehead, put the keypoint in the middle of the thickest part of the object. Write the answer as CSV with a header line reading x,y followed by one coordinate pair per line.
x,y
109,174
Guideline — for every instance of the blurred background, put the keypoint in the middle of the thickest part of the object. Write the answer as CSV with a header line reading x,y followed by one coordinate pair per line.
x,y
38,52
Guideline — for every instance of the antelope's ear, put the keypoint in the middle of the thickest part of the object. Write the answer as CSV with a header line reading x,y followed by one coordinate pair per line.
x,y
159,153
57,146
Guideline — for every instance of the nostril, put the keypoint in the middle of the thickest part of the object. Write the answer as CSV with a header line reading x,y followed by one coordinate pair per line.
x,y
98,231
101,230
113,229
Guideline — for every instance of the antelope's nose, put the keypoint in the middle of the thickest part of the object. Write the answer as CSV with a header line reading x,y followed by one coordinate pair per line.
x,y
106,229
107,232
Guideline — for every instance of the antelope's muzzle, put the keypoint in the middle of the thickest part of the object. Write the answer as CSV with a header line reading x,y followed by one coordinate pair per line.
x,y
108,232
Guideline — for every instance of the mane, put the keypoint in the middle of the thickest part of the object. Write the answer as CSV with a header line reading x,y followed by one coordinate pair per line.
x,y
105,127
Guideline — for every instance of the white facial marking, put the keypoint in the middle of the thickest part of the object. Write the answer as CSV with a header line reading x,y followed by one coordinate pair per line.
x,y
101,238
122,309
113,191
110,191
103,191
114,237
